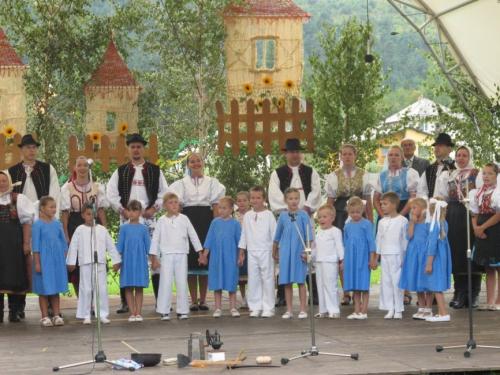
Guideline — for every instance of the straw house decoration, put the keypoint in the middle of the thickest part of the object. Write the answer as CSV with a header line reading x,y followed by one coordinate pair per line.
x,y
12,92
264,50
111,97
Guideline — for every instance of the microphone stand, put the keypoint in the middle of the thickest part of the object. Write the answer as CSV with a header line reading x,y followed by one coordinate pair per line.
x,y
313,351
100,356
471,343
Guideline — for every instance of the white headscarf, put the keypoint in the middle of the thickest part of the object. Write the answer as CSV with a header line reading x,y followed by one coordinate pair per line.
x,y
9,180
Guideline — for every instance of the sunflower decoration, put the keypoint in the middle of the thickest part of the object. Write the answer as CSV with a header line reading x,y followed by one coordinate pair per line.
x,y
281,103
8,131
267,80
248,88
289,84
95,137
123,128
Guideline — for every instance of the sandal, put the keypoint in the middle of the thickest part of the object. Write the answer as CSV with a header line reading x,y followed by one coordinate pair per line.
x,y
346,300
193,307
407,299
203,307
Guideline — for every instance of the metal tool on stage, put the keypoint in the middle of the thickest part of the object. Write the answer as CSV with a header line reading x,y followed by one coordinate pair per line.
x,y
471,342
313,351
100,356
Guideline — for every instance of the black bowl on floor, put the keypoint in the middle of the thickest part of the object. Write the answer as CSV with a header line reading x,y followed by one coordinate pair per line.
x,y
146,359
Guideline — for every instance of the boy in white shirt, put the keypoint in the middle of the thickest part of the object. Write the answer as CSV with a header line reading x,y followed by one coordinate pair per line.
x,y
257,236
171,243
81,248
328,253
391,248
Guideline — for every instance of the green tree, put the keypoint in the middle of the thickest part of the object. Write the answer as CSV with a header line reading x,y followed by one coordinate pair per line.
x,y
346,91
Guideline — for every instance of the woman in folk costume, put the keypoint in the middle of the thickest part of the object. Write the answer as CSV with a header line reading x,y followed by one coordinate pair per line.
x,y
346,182
199,196
485,207
75,193
16,217
454,187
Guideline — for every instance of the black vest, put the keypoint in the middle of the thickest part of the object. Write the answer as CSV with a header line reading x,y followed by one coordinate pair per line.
x,y
40,176
151,175
285,176
431,175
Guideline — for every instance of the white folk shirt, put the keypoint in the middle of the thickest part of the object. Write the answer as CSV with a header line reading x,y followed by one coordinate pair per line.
x,y
24,206
391,235
198,191
81,246
30,191
257,232
277,199
172,235
68,205
328,245
138,190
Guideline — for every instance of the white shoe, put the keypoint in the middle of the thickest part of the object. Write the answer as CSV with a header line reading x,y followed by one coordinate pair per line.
x,y
254,314
419,315
438,318
302,315
389,315
267,314
165,317
398,315
361,316
132,318
139,318
217,313
334,316
87,321
105,320
235,313
58,320
287,315
46,322
319,315
183,317
352,316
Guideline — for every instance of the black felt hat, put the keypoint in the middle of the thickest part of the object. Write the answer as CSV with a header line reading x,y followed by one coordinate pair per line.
x,y
443,139
136,138
293,144
27,140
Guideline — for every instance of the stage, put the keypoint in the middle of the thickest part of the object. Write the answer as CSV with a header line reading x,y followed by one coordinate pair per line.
x,y
384,347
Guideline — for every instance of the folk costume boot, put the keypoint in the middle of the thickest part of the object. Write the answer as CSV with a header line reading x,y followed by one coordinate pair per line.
x,y
13,308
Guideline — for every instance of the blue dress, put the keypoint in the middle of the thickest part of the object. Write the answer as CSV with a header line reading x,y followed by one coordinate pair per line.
x,y
413,269
49,241
440,278
359,243
133,246
222,242
292,268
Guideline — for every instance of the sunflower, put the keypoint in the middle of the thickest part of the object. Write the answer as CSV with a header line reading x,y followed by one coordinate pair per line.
x,y
281,103
289,84
123,128
260,103
267,80
8,131
248,88
95,137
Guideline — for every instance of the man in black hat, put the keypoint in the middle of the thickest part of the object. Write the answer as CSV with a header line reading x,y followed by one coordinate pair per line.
x,y
442,149
306,179
38,179
137,180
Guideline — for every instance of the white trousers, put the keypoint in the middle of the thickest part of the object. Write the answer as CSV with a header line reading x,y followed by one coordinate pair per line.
x,y
328,291
173,267
86,294
391,297
260,295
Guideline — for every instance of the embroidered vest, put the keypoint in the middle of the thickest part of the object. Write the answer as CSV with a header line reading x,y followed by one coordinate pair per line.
x,y
350,186
40,175
431,176
8,212
285,176
397,184
151,175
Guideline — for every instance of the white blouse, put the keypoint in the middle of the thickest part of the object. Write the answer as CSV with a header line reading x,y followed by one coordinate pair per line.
x,y
476,201
198,191
74,203
25,208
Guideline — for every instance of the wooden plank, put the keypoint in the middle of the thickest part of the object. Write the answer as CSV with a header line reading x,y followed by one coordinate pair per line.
x,y
266,127
250,133
235,127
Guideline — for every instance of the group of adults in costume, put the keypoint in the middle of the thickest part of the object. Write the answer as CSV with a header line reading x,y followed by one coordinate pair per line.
x,y
25,183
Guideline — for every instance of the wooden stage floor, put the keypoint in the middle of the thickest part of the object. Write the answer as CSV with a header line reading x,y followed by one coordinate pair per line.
x,y
384,347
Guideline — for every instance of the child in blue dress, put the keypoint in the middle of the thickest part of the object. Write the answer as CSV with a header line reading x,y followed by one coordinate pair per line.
x,y
49,253
437,278
288,249
222,244
133,246
359,257
412,273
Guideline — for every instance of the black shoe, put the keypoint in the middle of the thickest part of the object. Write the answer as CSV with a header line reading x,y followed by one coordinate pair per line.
x,y
14,317
203,307
194,307
1,316
122,310
21,314
475,301
461,300
453,301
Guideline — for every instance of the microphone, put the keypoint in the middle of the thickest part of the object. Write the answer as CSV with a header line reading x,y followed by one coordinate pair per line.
x,y
90,162
293,216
